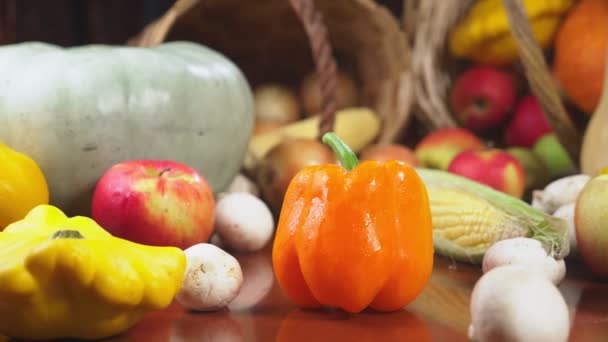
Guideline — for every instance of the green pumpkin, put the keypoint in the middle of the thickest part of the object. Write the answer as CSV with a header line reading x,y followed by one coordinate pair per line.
x,y
77,111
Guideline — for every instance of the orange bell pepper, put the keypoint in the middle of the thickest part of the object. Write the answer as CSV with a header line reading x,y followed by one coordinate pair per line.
x,y
354,237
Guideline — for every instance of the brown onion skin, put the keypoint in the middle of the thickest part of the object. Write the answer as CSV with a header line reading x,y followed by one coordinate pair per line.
x,y
283,161
265,127
310,93
275,103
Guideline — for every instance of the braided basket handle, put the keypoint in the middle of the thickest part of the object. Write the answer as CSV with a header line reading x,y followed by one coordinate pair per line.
x,y
539,77
316,31
325,64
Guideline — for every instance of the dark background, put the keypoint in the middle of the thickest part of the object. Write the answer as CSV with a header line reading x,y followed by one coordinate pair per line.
x,y
78,22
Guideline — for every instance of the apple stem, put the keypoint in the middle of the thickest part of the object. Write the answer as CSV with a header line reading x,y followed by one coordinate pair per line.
x,y
347,158
165,170
67,234
480,104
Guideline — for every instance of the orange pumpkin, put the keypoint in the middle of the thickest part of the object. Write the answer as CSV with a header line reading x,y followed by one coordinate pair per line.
x,y
580,53
354,236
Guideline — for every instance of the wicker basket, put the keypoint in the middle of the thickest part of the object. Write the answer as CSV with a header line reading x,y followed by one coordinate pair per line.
x,y
429,23
283,40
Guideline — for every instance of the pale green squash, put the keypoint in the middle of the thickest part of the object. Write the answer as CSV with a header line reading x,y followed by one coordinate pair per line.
x,y
77,111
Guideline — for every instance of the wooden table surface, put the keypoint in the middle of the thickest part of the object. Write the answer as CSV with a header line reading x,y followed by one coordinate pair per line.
x,y
440,313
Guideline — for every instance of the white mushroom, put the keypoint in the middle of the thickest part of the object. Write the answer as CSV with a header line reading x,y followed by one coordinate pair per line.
x,y
526,252
243,222
241,183
559,192
510,303
213,278
566,212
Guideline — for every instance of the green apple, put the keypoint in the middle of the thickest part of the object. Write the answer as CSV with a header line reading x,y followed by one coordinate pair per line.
x,y
553,155
537,174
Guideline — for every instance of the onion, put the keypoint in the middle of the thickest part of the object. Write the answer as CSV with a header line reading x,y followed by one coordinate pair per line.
x,y
310,93
283,161
275,103
266,126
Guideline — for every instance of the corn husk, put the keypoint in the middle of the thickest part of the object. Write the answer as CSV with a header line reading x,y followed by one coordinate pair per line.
x,y
468,217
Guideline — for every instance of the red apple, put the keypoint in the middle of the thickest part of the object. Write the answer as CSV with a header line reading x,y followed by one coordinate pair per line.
x,y
528,124
437,149
482,97
493,167
155,202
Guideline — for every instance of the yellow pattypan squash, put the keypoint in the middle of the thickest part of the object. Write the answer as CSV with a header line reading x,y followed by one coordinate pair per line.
x,y
484,34
22,185
66,277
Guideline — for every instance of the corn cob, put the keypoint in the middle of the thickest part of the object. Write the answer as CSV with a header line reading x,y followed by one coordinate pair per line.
x,y
468,217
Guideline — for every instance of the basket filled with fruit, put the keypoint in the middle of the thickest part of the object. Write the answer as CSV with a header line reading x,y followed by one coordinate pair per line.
x,y
526,77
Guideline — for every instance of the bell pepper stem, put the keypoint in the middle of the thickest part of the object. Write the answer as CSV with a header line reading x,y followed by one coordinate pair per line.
x,y
347,158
